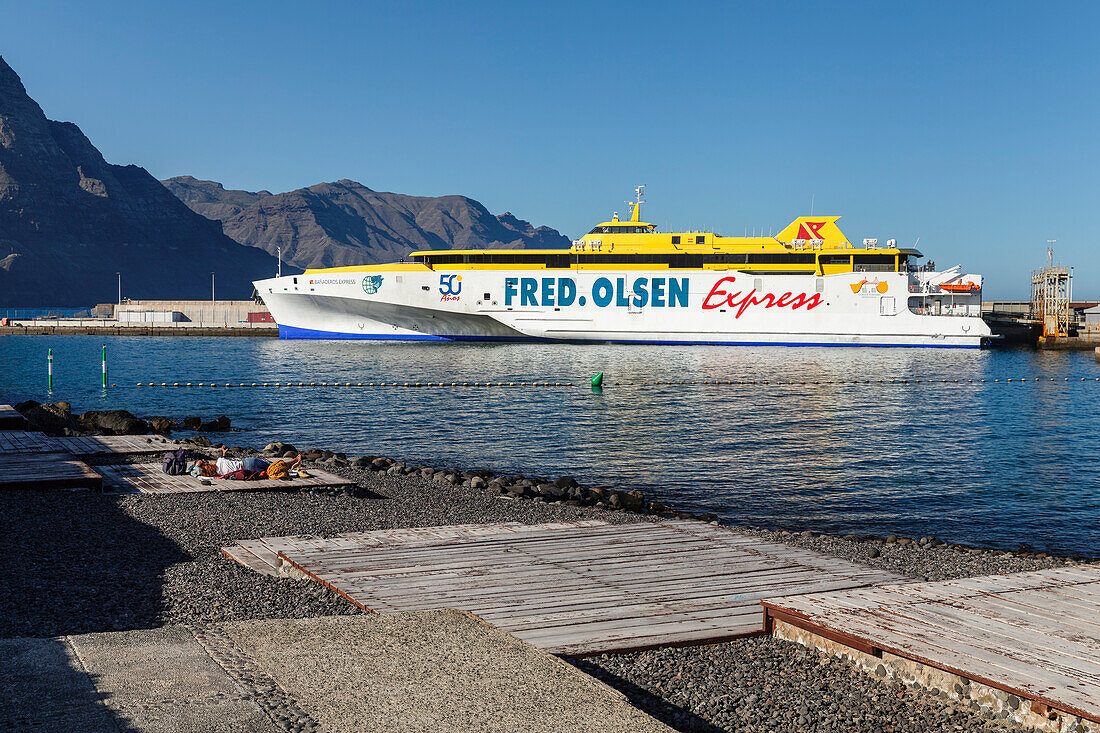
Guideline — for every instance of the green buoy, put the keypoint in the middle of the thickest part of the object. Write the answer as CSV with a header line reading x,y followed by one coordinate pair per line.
x,y
597,381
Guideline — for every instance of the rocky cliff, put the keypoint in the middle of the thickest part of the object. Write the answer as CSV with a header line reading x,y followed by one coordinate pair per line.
x,y
346,223
69,221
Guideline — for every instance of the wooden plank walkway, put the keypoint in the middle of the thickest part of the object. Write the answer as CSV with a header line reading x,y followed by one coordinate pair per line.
x,y
148,478
46,471
578,588
12,419
262,555
23,441
1034,634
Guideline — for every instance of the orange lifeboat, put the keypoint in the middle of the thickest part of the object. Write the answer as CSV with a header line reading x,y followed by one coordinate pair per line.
x,y
966,287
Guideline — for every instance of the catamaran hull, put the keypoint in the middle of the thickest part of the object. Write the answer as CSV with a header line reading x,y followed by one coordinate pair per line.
x,y
654,307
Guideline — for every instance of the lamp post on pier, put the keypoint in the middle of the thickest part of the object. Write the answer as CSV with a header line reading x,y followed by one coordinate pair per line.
x,y
211,288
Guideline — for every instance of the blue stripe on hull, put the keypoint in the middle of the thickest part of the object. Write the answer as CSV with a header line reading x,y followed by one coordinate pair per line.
x,y
295,332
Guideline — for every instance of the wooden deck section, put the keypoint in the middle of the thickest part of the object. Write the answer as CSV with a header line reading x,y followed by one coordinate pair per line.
x,y
23,441
1034,634
46,471
147,478
262,555
11,419
579,588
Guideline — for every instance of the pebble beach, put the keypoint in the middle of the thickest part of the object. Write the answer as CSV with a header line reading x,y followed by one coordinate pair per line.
x,y
76,562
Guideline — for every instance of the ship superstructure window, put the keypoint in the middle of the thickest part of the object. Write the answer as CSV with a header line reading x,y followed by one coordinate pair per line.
x,y
874,263
676,239
566,259
621,229
700,239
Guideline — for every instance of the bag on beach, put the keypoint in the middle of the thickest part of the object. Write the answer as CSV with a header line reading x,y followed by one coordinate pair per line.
x,y
277,469
174,462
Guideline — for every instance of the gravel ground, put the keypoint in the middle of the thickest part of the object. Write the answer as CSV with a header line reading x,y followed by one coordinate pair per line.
x,y
73,562
763,684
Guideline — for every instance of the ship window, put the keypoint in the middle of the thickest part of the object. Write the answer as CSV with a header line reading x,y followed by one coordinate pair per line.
x,y
676,240
700,239
690,261
488,296
834,259
874,263
295,281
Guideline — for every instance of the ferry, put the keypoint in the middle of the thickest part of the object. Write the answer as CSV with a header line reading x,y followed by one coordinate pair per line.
x,y
627,282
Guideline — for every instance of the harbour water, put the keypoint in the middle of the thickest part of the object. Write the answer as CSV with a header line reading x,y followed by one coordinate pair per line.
x,y
992,464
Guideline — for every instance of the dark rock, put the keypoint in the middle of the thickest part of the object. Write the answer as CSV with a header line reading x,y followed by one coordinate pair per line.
x,y
566,482
113,422
551,491
633,501
656,507
615,500
50,417
162,425
25,405
192,423
381,464
707,517
477,483
219,424
361,462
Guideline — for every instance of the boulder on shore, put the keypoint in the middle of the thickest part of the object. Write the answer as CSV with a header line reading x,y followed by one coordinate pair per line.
x,y
192,423
162,425
219,424
49,417
113,422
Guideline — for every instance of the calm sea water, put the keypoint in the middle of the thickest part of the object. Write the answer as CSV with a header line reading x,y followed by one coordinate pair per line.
x,y
993,464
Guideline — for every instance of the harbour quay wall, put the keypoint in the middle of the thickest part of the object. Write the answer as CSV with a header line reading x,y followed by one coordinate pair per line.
x,y
223,312
1084,341
75,327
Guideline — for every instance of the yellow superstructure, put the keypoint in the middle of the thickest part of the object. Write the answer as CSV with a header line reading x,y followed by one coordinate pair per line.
x,y
808,245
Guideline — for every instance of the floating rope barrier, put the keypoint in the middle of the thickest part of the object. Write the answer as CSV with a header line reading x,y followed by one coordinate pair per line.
x,y
655,383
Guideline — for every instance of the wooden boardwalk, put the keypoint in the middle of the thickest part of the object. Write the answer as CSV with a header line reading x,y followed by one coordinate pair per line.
x,y
1034,634
46,471
262,555
148,478
11,419
23,441
580,588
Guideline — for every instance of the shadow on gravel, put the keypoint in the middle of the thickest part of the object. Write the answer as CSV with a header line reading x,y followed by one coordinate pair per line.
x,y
671,715
74,562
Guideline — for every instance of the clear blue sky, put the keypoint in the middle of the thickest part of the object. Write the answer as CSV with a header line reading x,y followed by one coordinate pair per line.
x,y
971,125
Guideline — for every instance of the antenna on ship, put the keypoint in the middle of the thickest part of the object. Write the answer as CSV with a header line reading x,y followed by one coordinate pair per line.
x,y
636,204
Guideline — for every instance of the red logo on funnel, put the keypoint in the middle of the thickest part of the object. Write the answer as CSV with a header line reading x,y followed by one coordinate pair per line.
x,y
810,230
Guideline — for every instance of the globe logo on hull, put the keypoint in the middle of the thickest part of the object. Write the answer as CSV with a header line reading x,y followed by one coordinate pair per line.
x,y
372,284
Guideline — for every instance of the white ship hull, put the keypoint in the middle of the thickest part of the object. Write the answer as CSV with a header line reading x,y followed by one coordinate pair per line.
x,y
661,306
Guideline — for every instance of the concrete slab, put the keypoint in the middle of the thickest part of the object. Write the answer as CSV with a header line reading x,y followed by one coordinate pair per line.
x,y
43,687
435,671
164,680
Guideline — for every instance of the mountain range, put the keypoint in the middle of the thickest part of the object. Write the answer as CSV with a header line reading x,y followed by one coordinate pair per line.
x,y
345,223
69,221
72,224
